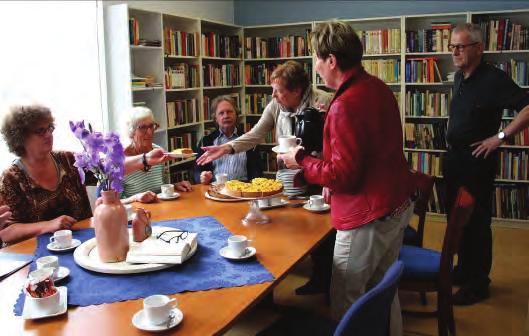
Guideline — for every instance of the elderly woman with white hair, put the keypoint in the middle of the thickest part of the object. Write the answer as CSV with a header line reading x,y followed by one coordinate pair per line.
x,y
143,185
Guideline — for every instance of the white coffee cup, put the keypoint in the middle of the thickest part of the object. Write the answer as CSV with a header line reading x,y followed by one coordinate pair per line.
x,y
288,141
48,304
316,201
50,262
62,238
158,308
221,178
167,189
237,245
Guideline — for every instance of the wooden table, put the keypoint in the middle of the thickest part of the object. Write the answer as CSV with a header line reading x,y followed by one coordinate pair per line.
x,y
281,244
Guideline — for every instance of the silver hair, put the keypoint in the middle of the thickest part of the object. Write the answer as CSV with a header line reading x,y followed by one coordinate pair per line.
x,y
473,30
215,103
135,114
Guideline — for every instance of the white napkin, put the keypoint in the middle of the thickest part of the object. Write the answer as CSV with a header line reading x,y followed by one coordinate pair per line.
x,y
157,251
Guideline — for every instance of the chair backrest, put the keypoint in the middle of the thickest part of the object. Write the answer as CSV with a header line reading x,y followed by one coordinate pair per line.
x,y
459,217
424,186
370,314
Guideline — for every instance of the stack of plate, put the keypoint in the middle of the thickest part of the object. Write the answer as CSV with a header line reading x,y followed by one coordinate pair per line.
x,y
286,176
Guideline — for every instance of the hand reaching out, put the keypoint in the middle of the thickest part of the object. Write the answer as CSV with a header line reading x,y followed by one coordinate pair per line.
x,y
211,153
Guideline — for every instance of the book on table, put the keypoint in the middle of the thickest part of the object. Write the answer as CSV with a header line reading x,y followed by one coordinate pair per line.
x,y
12,262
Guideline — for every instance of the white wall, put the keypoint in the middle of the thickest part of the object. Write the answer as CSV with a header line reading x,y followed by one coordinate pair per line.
x,y
219,10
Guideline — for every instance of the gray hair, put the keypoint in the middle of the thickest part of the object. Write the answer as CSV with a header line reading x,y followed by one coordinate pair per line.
x,y
473,30
215,103
136,114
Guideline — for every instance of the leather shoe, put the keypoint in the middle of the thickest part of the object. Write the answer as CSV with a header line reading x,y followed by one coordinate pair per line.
x,y
466,296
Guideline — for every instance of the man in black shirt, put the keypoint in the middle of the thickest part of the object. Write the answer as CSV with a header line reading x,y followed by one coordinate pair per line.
x,y
481,92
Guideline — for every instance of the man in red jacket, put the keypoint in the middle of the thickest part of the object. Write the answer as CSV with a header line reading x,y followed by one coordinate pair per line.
x,y
363,171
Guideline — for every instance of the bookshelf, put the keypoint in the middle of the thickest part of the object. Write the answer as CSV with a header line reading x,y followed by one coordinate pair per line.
x,y
388,48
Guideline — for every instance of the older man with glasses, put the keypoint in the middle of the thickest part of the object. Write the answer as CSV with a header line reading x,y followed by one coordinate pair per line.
x,y
481,92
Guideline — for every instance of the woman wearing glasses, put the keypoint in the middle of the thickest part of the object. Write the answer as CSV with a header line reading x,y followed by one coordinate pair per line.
x,y
143,185
42,187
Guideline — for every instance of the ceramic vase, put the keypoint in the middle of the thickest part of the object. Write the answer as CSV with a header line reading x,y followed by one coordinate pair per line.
x,y
110,222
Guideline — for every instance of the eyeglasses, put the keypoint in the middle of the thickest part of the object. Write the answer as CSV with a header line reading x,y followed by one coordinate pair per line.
x,y
43,130
144,128
460,47
167,236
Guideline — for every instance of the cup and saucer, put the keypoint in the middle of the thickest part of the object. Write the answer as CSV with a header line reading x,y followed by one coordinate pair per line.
x,y
42,298
33,310
168,193
285,143
52,262
316,203
159,313
238,248
62,241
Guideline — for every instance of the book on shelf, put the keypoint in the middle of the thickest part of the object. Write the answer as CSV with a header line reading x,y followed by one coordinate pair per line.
x,y
221,75
427,163
519,139
380,41
182,140
268,161
517,70
215,45
510,201
134,31
503,34
278,47
422,70
181,76
260,73
513,164
208,114
181,112
255,103
427,104
180,43
435,39
388,70
425,136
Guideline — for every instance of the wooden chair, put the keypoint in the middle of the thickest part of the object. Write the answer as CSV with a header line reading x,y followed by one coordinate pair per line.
x,y
430,271
424,185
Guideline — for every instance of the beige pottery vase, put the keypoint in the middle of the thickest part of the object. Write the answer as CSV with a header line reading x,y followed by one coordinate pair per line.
x,y
110,222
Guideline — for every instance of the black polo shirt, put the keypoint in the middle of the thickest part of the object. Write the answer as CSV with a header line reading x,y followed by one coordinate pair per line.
x,y
478,102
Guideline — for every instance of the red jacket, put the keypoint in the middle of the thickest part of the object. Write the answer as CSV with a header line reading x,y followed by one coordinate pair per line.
x,y
363,161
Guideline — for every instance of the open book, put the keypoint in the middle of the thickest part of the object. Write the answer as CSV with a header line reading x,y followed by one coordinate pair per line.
x,y
160,251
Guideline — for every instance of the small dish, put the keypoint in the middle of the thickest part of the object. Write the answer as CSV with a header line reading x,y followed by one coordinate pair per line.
x,y
277,150
181,155
53,247
62,273
323,208
164,197
226,253
140,321
32,312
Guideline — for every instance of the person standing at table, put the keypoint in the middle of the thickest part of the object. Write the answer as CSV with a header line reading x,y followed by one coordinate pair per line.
x,y
363,170
481,92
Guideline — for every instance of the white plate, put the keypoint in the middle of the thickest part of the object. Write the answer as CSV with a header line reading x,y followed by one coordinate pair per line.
x,y
139,320
62,273
325,207
32,312
213,198
181,156
281,203
86,256
168,198
52,247
226,253
278,151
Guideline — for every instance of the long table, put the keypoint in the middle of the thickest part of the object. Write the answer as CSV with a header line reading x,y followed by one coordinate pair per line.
x,y
281,244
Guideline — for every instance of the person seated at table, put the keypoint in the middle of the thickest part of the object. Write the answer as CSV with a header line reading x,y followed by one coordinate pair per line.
x,y
241,166
143,185
42,187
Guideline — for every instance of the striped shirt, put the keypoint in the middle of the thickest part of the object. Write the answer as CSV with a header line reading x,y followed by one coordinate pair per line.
x,y
234,165
141,181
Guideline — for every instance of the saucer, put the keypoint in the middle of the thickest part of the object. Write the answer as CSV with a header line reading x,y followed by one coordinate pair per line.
x,y
226,253
32,312
62,273
168,198
325,207
278,150
140,321
75,243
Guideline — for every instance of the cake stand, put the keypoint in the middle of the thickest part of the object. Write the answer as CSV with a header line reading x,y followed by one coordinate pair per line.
x,y
255,215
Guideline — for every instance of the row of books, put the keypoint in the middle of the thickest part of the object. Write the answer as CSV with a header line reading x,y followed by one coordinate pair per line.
x,y
221,75
215,45
422,70
437,202
425,136
179,43
272,47
268,161
511,201
388,70
182,140
516,69
255,103
181,112
427,163
270,137
520,138
134,35
504,34
435,39
380,41
513,165
181,76
208,114
427,103
260,73
137,81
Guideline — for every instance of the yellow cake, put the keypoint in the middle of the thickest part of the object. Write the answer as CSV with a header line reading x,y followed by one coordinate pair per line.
x,y
258,187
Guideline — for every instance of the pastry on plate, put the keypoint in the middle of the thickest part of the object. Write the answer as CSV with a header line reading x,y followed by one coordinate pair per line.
x,y
258,187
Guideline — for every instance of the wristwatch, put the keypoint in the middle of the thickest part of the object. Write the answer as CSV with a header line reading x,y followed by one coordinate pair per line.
x,y
501,135
146,166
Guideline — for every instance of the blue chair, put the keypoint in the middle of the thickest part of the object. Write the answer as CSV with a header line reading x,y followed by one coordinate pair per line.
x,y
368,316
427,270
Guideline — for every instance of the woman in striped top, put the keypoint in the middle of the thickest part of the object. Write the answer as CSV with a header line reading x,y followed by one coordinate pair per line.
x,y
143,185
